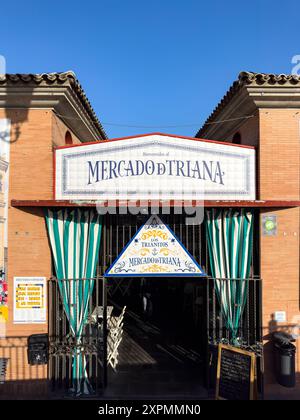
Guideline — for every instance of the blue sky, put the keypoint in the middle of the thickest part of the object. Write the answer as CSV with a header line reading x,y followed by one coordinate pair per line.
x,y
151,64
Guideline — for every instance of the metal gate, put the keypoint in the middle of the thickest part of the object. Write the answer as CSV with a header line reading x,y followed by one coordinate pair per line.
x,y
249,333
117,231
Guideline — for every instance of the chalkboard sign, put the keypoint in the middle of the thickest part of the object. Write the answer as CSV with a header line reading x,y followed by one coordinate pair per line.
x,y
235,374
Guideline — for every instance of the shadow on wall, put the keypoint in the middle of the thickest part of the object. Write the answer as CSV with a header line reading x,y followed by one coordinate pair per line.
x,y
275,326
15,103
11,103
13,351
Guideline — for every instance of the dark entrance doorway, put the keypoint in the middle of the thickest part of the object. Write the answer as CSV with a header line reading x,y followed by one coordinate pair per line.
x,y
163,351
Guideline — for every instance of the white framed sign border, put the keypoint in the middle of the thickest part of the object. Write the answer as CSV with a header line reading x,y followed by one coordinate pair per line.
x,y
30,320
65,155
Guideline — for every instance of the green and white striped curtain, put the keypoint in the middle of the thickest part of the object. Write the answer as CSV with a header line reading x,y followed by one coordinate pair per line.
x,y
75,236
230,236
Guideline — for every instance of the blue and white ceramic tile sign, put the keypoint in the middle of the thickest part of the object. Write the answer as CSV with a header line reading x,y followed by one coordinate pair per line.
x,y
155,167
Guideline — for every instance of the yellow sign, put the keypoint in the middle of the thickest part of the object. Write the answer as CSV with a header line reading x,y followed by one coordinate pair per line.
x,y
29,296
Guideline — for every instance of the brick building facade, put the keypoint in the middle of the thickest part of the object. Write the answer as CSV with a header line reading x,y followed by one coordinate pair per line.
x,y
51,110
273,127
33,105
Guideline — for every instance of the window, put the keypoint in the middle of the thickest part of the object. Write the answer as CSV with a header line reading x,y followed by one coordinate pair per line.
x,y
237,138
68,138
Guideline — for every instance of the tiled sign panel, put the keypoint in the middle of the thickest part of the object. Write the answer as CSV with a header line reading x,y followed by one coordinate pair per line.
x,y
154,251
155,167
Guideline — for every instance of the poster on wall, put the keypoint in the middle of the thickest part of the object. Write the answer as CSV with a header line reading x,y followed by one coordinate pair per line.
x,y
30,300
3,307
3,298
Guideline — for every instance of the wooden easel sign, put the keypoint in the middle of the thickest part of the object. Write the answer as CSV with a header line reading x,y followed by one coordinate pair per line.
x,y
235,374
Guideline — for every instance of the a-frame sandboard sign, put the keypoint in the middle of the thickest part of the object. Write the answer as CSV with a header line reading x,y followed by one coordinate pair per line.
x,y
154,251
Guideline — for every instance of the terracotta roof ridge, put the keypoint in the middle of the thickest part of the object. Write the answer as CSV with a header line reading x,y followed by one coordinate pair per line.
x,y
248,77
37,77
